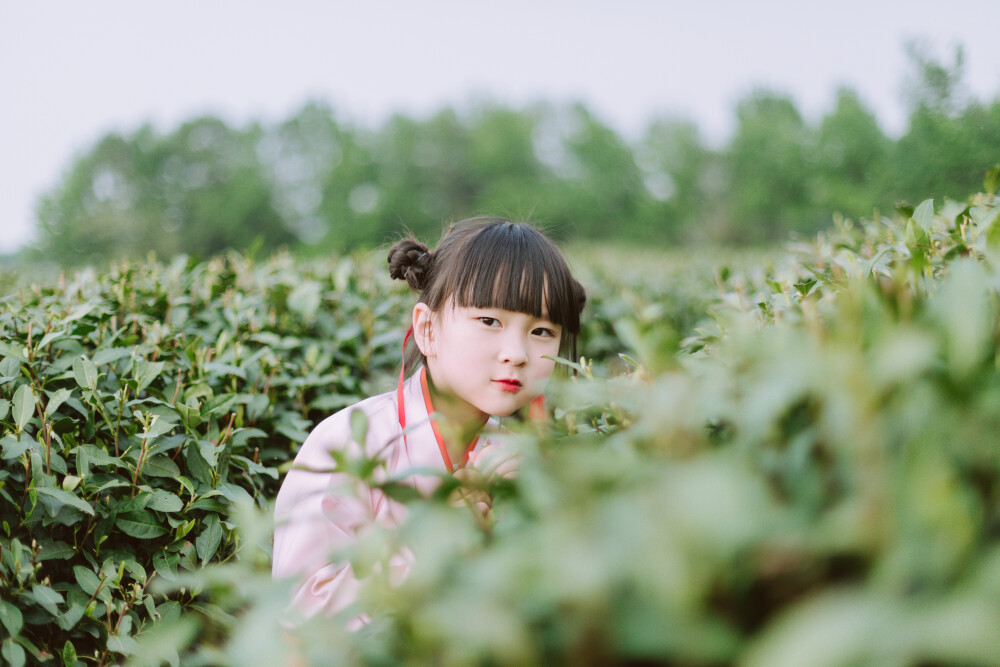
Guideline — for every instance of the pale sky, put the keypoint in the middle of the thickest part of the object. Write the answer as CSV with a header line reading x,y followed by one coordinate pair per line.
x,y
72,70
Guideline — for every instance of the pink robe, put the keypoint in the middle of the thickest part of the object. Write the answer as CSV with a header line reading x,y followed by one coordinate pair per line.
x,y
317,514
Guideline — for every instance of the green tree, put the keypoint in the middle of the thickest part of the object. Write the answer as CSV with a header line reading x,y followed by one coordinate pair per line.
x,y
851,156
951,140
598,188
932,84
768,172
512,180
323,176
199,189
422,171
683,179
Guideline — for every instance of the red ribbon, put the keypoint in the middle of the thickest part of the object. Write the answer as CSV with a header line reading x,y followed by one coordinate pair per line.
x,y
449,466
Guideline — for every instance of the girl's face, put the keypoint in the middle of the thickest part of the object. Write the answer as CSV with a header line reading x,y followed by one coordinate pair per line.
x,y
486,361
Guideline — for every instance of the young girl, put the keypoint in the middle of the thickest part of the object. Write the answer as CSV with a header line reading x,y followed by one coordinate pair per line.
x,y
496,298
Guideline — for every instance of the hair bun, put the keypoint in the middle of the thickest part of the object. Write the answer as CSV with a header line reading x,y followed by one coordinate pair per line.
x,y
410,260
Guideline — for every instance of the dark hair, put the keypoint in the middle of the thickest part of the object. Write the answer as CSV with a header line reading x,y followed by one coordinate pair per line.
x,y
494,263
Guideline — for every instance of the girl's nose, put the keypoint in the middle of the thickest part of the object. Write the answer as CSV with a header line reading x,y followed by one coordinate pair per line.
x,y
514,351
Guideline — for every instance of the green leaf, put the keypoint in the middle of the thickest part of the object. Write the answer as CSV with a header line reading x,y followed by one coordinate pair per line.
x,y
24,405
332,401
90,455
10,618
209,504
110,354
992,179
80,311
85,373
88,581
164,501
68,619
305,299
242,435
10,368
190,415
12,653
182,530
69,654
12,351
140,524
65,498
47,599
122,644
916,239
49,337
4,408
235,494
924,214
209,452
870,265
359,426
137,571
400,492
15,447
145,372
207,542
161,643
214,612
56,399
160,466
989,220
133,504
220,404
165,564
196,391
159,427
55,550
224,370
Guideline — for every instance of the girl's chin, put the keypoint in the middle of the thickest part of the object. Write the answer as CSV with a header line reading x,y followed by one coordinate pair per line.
x,y
509,409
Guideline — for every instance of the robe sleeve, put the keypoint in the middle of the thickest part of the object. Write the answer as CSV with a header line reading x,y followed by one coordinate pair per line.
x,y
318,515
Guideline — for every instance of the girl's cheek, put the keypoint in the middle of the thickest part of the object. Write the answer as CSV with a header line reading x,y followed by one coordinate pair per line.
x,y
548,368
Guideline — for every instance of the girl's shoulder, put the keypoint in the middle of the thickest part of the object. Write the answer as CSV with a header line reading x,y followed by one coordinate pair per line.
x,y
335,431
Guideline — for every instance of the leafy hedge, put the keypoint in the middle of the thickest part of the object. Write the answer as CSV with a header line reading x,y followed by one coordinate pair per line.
x,y
139,406
800,468
812,480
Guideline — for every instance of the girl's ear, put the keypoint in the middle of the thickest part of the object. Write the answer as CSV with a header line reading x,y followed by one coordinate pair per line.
x,y
423,329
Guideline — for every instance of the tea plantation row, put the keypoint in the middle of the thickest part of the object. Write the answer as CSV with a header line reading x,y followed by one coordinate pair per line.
x,y
791,464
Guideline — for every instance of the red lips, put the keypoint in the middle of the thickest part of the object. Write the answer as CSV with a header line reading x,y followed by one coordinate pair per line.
x,y
509,385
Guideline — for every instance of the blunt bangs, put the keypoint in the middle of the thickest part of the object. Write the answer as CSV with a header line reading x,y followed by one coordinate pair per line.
x,y
495,263
514,267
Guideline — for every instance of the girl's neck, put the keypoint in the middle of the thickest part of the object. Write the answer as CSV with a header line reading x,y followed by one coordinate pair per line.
x,y
460,423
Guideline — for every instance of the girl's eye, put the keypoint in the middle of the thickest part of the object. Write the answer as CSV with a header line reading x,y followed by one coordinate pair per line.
x,y
545,333
490,321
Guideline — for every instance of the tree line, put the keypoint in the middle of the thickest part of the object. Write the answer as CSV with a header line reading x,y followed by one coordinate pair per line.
x,y
319,183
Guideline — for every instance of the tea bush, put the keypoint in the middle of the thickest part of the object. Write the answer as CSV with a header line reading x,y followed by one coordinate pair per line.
x,y
792,463
138,406
812,480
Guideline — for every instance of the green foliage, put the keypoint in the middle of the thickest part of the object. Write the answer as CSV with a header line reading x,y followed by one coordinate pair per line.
x,y
321,184
947,153
769,174
934,84
791,462
139,408
685,182
851,155
199,189
810,480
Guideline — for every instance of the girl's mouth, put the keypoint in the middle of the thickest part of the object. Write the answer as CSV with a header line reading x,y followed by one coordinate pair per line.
x,y
512,386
